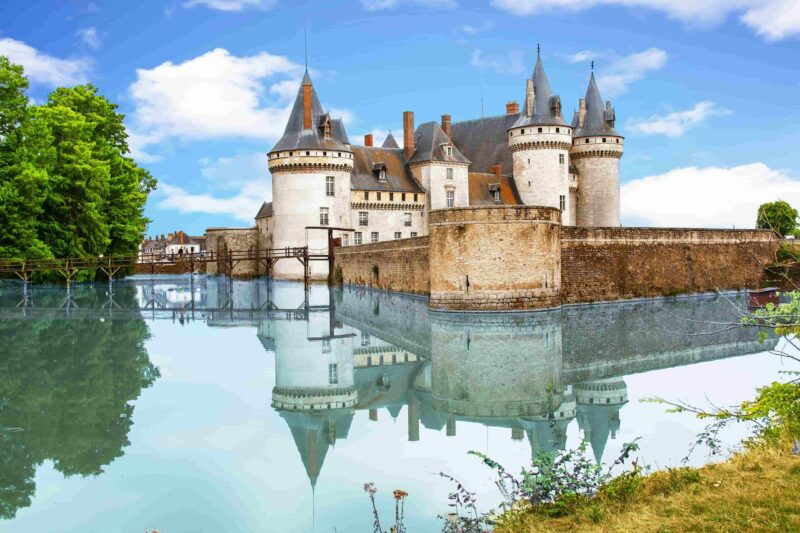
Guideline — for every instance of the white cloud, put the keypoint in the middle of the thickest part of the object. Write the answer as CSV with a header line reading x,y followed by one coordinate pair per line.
x,y
509,63
676,123
89,36
705,197
625,70
236,171
243,206
379,136
467,29
583,55
232,5
43,68
377,5
212,96
772,19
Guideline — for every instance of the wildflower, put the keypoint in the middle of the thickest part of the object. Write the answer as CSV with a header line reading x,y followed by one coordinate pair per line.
x,y
399,494
370,488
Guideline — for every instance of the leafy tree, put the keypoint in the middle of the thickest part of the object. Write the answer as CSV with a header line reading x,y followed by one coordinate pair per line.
x,y
778,216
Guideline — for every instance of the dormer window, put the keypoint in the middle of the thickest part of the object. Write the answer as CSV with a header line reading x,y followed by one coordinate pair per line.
x,y
379,171
382,175
494,189
326,127
448,150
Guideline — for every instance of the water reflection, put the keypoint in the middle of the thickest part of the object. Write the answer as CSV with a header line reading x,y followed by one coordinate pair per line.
x,y
73,362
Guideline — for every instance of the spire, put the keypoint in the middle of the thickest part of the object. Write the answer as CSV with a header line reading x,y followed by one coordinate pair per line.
x,y
390,142
599,119
546,106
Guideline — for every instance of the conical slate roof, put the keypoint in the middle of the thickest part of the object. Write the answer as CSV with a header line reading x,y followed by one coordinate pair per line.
x,y
543,102
295,137
390,142
314,433
598,120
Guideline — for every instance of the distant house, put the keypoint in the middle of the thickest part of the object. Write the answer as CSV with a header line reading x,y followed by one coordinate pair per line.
x,y
152,246
264,222
181,243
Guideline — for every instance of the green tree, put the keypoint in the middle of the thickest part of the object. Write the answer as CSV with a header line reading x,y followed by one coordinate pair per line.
x,y
778,216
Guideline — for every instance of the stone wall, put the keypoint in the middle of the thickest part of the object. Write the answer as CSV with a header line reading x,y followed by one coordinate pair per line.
x,y
398,265
495,258
183,267
619,263
219,240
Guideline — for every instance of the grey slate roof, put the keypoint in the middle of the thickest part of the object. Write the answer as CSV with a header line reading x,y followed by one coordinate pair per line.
x,y
544,102
428,145
485,142
265,211
368,159
390,142
599,120
297,138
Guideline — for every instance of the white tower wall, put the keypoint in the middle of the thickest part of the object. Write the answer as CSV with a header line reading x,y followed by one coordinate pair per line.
x,y
598,192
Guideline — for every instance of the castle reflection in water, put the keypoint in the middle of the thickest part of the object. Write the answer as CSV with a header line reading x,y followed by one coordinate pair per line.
x,y
347,349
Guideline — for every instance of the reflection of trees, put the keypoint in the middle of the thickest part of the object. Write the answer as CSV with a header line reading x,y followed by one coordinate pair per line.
x,y
65,395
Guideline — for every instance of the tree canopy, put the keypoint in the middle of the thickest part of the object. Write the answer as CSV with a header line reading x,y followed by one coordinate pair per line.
x,y
778,216
68,187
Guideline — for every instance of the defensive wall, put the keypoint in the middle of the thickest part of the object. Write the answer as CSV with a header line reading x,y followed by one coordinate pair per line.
x,y
220,240
516,258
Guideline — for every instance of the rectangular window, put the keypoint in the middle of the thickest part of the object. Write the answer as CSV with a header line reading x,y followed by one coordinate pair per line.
x,y
326,346
364,339
449,173
373,237
451,198
562,202
391,197
496,194
323,216
366,195
329,186
333,374
407,219
357,237
415,197
413,233
398,235
561,158
403,197
379,197
363,218
345,240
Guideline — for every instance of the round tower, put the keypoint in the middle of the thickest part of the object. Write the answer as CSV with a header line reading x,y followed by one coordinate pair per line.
x,y
596,151
540,141
311,168
599,402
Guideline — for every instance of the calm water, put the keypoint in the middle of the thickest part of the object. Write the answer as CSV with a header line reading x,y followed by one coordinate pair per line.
x,y
206,406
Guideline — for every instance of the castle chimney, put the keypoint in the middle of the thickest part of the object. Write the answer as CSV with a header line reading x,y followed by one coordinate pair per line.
x,y
307,106
446,124
530,95
581,112
512,107
368,139
408,134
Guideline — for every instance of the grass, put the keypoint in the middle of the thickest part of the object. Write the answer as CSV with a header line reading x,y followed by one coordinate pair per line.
x,y
755,490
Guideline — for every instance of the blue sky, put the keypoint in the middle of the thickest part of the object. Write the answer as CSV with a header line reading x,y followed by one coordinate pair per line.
x,y
707,93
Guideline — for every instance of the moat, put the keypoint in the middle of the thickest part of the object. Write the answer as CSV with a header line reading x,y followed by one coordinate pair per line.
x,y
199,404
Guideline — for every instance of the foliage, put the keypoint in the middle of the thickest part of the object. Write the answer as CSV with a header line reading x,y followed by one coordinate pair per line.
x,y
778,216
66,393
465,517
338,277
399,510
67,186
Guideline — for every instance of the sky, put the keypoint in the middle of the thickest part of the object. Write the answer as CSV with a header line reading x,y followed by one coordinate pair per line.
x,y
707,93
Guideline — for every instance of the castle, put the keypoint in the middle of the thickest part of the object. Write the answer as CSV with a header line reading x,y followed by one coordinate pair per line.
x,y
530,157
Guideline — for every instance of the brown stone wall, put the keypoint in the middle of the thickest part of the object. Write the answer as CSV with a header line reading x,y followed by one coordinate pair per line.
x,y
402,265
218,240
617,263
495,258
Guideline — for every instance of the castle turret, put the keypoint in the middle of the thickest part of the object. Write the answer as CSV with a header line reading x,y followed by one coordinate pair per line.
x,y
599,403
311,167
596,150
540,141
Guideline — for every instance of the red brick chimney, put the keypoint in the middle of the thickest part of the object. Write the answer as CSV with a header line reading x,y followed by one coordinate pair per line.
x,y
512,107
446,125
368,139
408,134
306,106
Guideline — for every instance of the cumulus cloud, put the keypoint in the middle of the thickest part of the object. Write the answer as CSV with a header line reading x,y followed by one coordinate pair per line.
x,y
625,70
772,19
232,5
511,62
583,55
377,5
43,68
242,206
676,123
236,171
379,136
705,197
211,96
89,37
